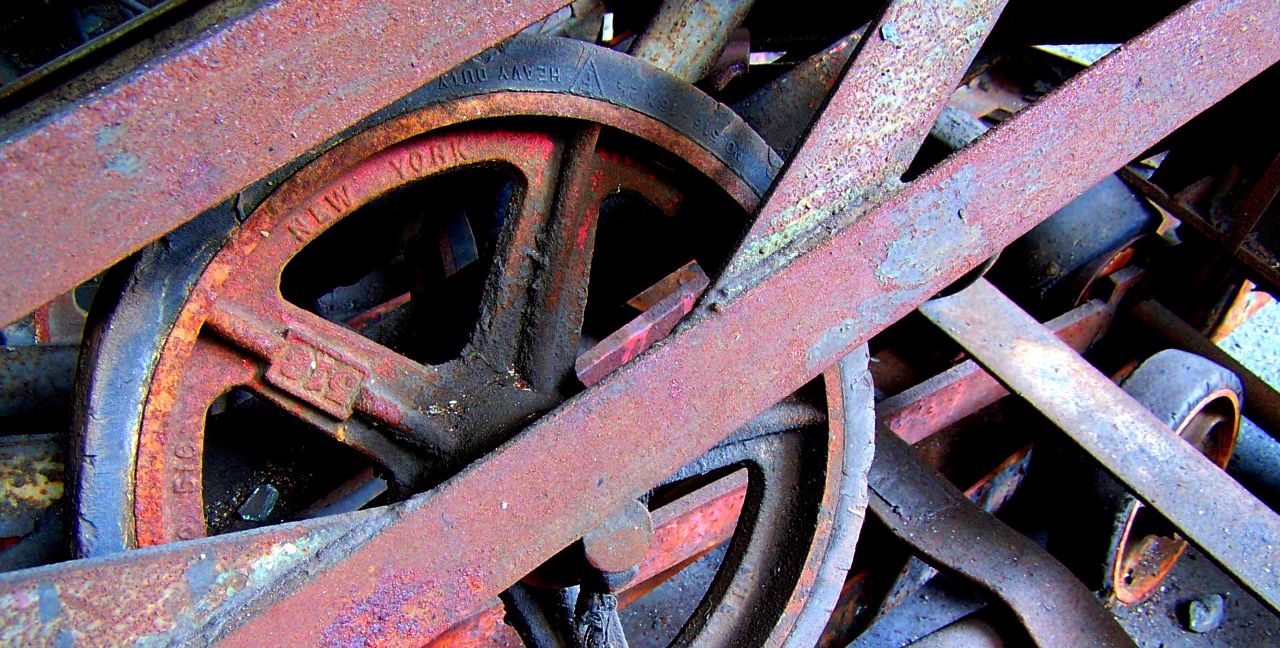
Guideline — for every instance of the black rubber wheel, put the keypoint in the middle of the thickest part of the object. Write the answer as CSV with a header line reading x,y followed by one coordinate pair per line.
x,y
1119,546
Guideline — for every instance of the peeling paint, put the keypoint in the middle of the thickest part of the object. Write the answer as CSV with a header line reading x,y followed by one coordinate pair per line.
x,y
938,225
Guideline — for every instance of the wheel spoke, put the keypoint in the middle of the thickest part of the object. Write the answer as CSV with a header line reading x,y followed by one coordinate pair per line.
x,y
531,318
168,504
323,373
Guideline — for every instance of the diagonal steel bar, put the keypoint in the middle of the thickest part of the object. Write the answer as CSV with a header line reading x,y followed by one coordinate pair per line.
x,y
901,77
1237,531
449,550
568,471
95,182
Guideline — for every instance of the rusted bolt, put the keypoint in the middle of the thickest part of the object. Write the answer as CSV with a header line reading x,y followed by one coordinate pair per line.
x,y
621,541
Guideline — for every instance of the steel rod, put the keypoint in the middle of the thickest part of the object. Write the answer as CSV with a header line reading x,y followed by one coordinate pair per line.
x,y
1209,508
449,550
100,179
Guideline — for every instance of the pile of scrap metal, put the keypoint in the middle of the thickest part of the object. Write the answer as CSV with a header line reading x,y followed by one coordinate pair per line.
x,y
606,323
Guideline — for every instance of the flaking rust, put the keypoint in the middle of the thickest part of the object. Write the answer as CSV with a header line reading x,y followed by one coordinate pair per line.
x,y
893,91
939,226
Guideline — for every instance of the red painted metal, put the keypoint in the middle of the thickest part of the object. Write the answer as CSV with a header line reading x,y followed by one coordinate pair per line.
x,y
323,372
933,405
683,531
131,162
601,446
406,580
901,77
661,315
160,595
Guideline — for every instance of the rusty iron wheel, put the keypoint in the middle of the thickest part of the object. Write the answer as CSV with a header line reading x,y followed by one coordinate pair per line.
x,y
417,291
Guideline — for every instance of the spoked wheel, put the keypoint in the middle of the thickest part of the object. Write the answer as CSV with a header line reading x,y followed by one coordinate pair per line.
x,y
405,301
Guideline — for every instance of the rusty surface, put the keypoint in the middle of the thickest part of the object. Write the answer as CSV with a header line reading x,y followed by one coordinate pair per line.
x,y
686,37
660,316
668,285
683,531
1200,402
919,411
149,152
782,110
1257,258
515,365
793,325
989,493
434,568
923,509
900,79
621,542
164,592
31,481
562,179
933,405
1238,532
547,86
1255,203
485,628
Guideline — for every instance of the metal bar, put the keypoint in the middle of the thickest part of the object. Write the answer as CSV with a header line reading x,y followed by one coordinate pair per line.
x,y
453,548
24,81
686,37
157,594
937,403
1254,205
1237,531
921,508
1261,401
572,468
683,531
900,78
92,184
1264,273
782,110
653,324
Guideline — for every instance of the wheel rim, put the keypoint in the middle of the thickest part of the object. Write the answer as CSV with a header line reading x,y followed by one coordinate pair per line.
x,y
278,342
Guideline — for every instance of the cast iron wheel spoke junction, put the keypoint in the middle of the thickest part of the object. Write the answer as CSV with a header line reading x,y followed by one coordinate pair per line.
x,y
496,220
533,338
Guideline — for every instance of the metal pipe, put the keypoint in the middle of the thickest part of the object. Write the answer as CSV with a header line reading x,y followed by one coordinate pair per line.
x,y
686,37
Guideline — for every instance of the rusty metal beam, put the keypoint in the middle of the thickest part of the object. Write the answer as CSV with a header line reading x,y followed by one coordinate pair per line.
x,y
937,403
921,508
925,409
901,77
92,184
1236,530
451,549
686,37
601,446
157,595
